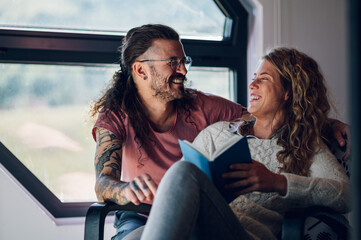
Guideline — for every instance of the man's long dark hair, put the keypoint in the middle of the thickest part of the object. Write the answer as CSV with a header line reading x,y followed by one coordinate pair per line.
x,y
122,95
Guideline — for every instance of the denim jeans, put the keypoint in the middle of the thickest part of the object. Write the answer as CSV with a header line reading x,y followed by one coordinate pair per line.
x,y
127,221
188,206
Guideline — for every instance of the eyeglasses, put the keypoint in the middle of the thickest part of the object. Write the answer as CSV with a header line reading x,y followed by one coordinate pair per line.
x,y
174,63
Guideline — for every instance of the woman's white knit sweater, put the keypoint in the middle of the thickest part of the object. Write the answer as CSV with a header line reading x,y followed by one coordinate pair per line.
x,y
261,214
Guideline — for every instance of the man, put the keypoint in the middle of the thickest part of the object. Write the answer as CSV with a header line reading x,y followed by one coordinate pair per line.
x,y
142,116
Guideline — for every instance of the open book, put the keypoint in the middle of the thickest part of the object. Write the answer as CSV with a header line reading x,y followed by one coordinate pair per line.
x,y
234,151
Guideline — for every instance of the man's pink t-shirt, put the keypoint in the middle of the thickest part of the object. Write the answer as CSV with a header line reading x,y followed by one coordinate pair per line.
x,y
166,151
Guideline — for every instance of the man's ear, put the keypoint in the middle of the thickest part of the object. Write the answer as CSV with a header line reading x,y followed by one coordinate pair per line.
x,y
138,69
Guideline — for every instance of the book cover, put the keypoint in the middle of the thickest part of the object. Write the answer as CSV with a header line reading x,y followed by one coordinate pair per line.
x,y
234,151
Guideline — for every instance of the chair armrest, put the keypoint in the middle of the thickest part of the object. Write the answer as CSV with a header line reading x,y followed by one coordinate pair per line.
x,y
97,212
293,222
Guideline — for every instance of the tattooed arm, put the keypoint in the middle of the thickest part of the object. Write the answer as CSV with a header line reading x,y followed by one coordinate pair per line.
x,y
108,164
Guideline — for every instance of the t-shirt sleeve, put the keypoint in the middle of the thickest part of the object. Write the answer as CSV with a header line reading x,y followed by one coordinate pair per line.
x,y
218,108
111,122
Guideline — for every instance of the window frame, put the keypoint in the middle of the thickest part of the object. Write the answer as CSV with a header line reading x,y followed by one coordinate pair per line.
x,y
50,47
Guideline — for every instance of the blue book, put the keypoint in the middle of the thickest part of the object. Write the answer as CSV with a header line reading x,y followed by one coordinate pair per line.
x,y
234,151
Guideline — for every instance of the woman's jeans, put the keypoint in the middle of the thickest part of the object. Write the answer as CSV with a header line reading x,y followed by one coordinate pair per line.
x,y
126,222
188,206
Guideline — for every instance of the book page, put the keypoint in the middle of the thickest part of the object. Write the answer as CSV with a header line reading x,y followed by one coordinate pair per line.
x,y
201,151
225,147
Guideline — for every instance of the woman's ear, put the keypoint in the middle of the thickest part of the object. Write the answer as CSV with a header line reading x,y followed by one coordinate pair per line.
x,y
287,96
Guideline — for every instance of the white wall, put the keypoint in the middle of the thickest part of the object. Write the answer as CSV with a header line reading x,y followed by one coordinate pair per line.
x,y
317,27
22,218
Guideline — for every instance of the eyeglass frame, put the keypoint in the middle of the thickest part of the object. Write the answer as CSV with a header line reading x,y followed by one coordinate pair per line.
x,y
171,62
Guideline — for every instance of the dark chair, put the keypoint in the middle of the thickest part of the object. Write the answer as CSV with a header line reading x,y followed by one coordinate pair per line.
x,y
294,223
97,212
325,224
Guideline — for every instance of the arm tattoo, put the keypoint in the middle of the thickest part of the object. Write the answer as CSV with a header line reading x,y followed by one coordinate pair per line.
x,y
113,190
120,199
117,196
109,156
103,135
115,168
105,156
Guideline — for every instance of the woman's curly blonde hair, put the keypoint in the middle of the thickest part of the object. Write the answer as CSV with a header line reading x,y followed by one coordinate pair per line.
x,y
306,123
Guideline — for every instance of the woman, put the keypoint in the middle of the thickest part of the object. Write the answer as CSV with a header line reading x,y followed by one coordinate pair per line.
x,y
291,165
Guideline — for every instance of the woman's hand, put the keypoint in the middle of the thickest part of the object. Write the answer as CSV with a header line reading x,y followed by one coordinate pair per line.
x,y
255,177
142,188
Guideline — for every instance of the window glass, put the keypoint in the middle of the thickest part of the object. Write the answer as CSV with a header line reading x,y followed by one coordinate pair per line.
x,y
46,125
196,19
211,80
44,122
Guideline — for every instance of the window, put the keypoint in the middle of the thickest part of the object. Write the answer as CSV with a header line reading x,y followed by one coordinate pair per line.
x,y
53,64
214,80
201,19
46,125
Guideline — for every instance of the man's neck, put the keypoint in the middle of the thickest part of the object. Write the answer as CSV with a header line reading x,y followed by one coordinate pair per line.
x,y
160,115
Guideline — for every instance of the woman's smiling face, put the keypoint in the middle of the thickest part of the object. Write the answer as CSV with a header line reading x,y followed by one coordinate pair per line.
x,y
266,92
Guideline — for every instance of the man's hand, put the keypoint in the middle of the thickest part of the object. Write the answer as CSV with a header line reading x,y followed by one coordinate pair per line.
x,y
341,132
140,189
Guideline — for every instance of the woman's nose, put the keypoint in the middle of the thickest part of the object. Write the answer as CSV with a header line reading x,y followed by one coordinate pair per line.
x,y
254,84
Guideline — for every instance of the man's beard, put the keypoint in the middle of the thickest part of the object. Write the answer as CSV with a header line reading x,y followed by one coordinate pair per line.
x,y
162,86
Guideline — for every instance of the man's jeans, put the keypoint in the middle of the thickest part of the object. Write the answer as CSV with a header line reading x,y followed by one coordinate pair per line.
x,y
127,221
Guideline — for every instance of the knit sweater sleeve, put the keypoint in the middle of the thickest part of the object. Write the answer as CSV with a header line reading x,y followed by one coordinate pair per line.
x,y
327,184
